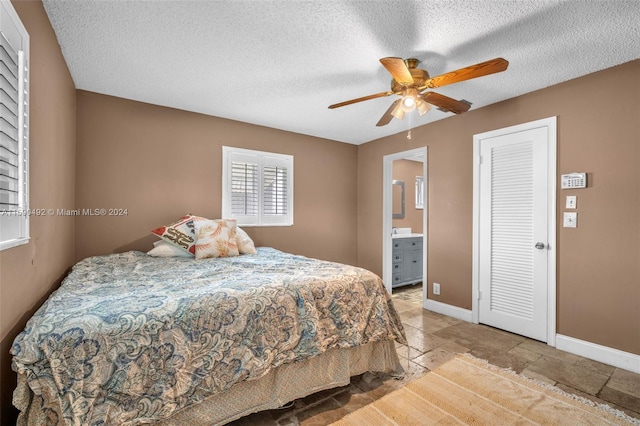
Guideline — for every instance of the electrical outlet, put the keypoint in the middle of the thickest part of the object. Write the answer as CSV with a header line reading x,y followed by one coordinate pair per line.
x,y
436,288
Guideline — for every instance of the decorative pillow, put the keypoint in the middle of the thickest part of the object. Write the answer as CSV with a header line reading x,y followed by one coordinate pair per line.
x,y
243,240
198,218
245,243
216,238
180,233
164,249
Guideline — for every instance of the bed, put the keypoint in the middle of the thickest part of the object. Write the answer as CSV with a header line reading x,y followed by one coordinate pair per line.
x,y
131,339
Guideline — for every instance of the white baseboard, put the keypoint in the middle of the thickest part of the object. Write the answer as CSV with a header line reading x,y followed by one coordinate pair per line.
x,y
615,357
604,354
449,310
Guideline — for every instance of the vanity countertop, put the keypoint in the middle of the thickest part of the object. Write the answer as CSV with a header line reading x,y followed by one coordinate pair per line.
x,y
413,235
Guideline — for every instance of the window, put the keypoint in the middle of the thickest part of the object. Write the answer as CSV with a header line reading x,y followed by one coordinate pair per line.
x,y
14,129
257,187
419,192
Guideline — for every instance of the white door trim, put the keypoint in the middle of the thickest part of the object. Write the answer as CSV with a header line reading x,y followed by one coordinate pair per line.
x,y
550,124
387,221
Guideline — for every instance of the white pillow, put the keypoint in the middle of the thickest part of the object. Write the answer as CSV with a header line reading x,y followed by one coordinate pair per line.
x,y
164,249
245,243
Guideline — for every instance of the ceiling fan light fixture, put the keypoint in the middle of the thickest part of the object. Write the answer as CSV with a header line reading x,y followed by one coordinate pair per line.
x,y
408,103
409,100
398,111
422,106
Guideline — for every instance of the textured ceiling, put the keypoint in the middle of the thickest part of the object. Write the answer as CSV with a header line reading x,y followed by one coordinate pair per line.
x,y
280,63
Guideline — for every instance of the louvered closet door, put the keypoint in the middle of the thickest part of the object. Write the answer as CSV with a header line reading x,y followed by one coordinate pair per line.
x,y
513,219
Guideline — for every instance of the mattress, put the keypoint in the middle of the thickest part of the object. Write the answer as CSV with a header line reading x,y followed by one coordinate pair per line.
x,y
131,339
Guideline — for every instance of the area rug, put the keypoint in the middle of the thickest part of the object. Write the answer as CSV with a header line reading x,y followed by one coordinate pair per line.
x,y
470,391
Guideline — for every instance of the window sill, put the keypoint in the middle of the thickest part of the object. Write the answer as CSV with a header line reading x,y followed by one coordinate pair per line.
x,y
4,245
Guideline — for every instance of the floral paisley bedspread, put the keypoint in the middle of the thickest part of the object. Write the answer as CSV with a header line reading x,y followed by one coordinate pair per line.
x,y
130,339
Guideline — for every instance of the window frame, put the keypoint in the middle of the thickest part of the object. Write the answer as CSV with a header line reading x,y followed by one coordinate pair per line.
x,y
262,159
16,35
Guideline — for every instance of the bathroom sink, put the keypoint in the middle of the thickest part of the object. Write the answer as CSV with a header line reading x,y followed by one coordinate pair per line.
x,y
404,233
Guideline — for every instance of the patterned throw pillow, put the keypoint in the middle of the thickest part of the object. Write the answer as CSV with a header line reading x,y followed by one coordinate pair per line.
x,y
180,233
243,240
216,238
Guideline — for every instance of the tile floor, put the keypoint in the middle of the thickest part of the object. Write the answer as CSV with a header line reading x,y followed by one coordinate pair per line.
x,y
434,339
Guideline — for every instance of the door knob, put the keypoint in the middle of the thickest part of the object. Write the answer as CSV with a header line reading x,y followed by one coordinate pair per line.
x,y
540,246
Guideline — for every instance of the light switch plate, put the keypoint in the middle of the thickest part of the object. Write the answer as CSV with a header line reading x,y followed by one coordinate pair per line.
x,y
570,220
571,201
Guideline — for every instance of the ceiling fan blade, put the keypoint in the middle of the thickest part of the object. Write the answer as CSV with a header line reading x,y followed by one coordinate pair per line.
x,y
398,69
364,98
478,70
388,116
445,102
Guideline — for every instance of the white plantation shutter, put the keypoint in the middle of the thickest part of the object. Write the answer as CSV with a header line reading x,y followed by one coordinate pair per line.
x,y
244,189
14,129
274,201
257,187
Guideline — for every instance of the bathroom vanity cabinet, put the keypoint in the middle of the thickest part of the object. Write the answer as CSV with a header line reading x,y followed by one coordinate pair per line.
x,y
407,260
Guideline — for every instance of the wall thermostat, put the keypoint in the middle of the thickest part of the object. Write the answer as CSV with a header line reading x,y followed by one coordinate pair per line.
x,y
574,180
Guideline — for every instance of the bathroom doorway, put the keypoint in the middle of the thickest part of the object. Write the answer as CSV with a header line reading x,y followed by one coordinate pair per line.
x,y
404,227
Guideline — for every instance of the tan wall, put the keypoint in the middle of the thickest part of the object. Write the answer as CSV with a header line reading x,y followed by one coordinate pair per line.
x,y
599,262
28,273
407,170
161,163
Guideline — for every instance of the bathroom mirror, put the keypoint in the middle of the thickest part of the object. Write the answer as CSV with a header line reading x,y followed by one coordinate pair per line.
x,y
398,199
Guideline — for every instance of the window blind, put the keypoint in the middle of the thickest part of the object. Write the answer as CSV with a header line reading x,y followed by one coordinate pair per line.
x,y
257,187
9,122
275,191
14,129
244,189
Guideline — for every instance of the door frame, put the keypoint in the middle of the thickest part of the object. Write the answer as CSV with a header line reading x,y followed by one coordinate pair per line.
x,y
387,210
551,124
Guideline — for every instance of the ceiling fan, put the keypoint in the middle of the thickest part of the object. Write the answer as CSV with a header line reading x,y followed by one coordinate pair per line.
x,y
413,84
